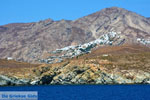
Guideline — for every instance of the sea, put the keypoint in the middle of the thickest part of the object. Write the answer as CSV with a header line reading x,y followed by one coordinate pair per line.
x,y
86,92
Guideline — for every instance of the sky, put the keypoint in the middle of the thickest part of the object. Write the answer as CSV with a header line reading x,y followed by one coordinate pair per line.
x,y
23,11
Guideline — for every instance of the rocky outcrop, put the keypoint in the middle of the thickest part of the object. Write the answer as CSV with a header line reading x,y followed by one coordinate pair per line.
x,y
89,76
112,65
129,65
9,81
79,76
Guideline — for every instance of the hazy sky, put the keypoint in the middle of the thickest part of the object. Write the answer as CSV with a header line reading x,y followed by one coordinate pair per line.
x,y
13,11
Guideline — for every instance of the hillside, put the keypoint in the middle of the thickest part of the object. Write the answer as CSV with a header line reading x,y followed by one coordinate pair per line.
x,y
128,64
30,42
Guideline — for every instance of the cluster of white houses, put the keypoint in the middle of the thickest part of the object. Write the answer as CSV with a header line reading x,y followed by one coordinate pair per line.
x,y
73,51
143,41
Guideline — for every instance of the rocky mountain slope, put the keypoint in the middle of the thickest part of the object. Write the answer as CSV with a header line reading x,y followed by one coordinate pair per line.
x,y
33,41
128,64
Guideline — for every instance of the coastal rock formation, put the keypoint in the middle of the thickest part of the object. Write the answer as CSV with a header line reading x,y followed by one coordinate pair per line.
x,y
127,64
10,81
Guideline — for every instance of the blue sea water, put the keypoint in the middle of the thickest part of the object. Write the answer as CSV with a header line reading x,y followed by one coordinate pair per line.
x,y
87,92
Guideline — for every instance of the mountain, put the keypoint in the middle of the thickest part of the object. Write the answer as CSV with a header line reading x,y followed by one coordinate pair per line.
x,y
128,23
30,42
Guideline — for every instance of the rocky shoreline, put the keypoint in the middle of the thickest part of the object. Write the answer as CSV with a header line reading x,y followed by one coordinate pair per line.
x,y
107,65
104,79
68,74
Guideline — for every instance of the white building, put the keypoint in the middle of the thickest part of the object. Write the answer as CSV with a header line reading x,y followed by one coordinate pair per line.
x,y
9,58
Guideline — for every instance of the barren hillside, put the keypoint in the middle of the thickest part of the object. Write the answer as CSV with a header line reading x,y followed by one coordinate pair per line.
x,y
31,41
